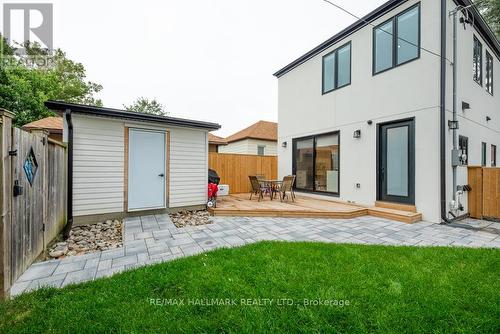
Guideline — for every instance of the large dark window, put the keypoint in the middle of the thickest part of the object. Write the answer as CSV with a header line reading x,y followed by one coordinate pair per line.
x,y
397,41
316,163
483,154
489,73
493,156
477,62
463,146
337,68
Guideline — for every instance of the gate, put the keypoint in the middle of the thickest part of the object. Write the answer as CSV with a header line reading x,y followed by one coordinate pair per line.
x,y
33,185
484,198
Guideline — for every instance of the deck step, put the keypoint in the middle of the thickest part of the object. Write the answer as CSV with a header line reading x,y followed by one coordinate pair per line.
x,y
396,206
399,215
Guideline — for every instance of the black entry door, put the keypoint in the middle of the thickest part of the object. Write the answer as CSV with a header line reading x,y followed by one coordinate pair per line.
x,y
396,162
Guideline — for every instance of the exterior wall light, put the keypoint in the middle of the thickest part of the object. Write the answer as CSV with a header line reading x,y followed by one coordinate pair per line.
x,y
465,106
283,144
356,134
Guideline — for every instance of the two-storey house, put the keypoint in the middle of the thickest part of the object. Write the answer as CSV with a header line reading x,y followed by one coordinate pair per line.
x,y
368,115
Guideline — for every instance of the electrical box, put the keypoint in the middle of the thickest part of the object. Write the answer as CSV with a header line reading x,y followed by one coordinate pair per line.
x,y
455,157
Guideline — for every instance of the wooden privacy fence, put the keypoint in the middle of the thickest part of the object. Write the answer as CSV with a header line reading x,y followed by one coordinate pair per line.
x,y
33,197
484,198
234,169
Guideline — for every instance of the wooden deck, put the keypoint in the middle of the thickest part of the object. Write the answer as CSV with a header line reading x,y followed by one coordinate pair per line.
x,y
240,205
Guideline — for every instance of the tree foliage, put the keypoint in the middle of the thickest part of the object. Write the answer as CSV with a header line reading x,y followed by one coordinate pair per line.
x,y
24,89
490,9
148,106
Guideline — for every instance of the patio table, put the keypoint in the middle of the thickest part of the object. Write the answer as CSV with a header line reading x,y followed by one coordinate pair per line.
x,y
272,185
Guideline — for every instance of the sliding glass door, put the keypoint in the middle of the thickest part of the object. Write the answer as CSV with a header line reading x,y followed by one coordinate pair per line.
x,y
316,163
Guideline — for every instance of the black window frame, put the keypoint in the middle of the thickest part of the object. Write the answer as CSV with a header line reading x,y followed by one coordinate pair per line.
x,y
465,150
479,80
483,154
493,154
394,21
336,69
489,70
294,165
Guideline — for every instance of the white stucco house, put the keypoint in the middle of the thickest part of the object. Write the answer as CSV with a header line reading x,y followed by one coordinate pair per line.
x,y
258,139
367,115
123,163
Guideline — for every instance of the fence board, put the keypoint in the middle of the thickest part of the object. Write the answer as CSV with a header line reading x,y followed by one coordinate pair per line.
x,y
234,169
484,198
491,192
37,215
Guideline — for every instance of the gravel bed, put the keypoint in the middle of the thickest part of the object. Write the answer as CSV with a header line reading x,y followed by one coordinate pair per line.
x,y
191,218
89,238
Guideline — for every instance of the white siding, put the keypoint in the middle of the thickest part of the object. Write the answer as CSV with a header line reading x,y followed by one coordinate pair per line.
x,y
270,146
237,147
249,146
188,167
98,165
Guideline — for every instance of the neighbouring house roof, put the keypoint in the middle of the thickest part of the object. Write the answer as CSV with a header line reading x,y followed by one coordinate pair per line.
x,y
479,23
213,139
261,130
60,107
51,124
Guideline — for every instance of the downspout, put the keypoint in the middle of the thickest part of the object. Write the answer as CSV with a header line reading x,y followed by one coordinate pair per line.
x,y
454,165
69,180
442,113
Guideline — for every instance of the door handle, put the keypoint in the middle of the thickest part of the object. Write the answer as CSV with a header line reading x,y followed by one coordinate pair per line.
x,y
161,175
382,174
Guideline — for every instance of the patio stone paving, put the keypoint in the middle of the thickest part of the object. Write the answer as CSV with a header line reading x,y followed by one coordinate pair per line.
x,y
153,239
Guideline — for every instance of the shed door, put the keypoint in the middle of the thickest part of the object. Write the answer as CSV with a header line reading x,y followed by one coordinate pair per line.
x,y
146,170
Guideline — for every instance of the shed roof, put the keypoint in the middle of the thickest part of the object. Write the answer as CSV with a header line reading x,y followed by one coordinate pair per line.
x,y
60,107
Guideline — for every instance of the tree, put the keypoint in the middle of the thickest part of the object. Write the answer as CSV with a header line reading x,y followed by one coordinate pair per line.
x,y
490,9
147,106
24,89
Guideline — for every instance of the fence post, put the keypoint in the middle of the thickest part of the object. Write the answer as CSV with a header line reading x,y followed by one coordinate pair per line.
x,y
5,200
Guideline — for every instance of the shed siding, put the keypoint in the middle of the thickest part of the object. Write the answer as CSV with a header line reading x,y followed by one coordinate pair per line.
x,y
188,167
98,165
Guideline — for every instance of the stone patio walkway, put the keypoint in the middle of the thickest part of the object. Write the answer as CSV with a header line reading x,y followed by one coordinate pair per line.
x,y
152,239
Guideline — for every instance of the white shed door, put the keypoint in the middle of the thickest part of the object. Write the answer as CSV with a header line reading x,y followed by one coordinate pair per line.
x,y
146,170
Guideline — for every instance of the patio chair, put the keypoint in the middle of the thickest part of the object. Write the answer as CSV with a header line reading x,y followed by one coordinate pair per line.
x,y
286,186
257,188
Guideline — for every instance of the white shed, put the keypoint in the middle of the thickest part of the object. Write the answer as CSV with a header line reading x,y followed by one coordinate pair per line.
x,y
123,163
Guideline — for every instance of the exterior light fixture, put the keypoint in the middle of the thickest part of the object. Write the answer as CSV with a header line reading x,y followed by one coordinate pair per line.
x,y
369,122
453,125
283,144
465,106
356,134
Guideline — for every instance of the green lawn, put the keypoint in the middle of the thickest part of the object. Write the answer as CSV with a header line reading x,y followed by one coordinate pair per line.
x,y
384,289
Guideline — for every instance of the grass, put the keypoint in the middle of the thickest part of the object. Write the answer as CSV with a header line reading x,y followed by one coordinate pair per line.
x,y
388,289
